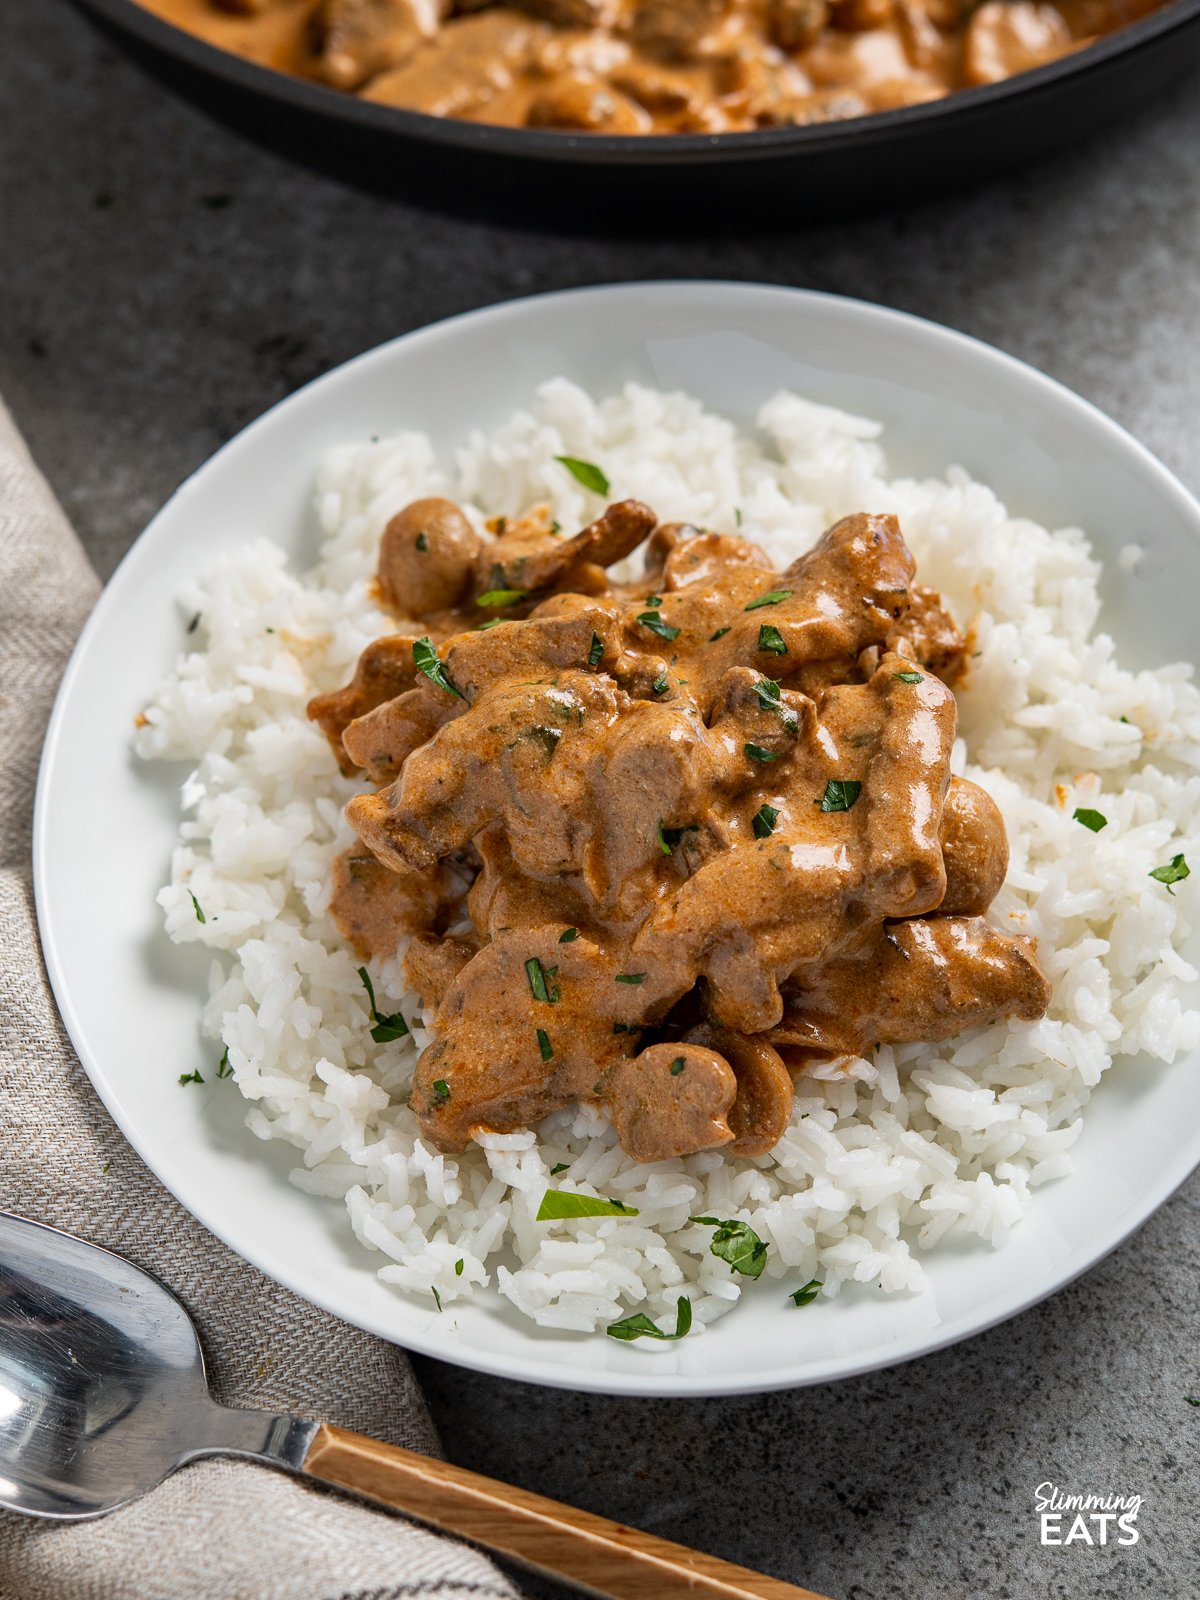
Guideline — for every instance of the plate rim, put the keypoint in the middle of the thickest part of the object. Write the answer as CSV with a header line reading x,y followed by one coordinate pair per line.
x,y
643,1384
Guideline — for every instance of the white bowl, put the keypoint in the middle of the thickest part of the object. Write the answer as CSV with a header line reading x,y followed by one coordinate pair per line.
x,y
105,824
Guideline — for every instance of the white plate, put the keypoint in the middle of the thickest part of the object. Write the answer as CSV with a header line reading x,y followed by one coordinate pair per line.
x,y
105,824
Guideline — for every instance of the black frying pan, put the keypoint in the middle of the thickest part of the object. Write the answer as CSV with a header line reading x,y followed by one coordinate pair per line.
x,y
703,182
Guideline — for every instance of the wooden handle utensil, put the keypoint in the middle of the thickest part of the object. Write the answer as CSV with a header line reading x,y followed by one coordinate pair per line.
x,y
596,1555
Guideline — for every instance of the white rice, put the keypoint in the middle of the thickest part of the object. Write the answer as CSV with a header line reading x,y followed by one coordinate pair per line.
x,y
883,1157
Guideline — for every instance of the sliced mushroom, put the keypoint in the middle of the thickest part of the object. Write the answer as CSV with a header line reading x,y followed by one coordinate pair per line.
x,y
763,1106
671,1100
427,558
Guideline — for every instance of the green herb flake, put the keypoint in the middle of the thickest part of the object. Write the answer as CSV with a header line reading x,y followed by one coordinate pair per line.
x,y
653,620
737,515
569,936
538,981
662,683
437,1298
562,1166
104,1170
190,1077
544,1045
771,599
501,597
224,1070
631,977
441,1091
678,1065
200,917
639,1326
663,842
1191,1399
720,634
585,473
770,641
764,822
654,600
757,753
767,691
458,1267
426,658
737,1243
624,1027
595,650
558,1206
840,794
387,1026
496,622
1175,871
422,541
909,677
1095,820
806,1295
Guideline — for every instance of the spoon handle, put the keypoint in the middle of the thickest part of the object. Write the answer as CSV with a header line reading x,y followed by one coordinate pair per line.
x,y
596,1555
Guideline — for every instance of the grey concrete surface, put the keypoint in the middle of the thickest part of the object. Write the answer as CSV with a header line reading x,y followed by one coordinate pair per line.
x,y
162,282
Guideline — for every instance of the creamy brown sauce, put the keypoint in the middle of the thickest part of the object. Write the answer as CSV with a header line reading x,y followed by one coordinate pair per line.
x,y
704,822
651,66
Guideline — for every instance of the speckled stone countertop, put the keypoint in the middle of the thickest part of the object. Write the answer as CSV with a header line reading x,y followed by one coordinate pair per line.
x,y
162,282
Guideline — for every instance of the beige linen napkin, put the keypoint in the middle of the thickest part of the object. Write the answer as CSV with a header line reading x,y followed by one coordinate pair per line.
x,y
217,1530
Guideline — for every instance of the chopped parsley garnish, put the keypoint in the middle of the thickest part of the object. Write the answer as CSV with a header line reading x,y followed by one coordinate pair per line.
x,y
569,936
662,683
806,1295
720,634
501,597
586,473
764,822
624,1027
767,691
557,1206
1191,1399
653,620
458,1267
737,1243
1175,871
771,599
224,1070
386,1027
639,1325
678,1065
190,1077
840,794
496,622
1095,820
654,600
421,541
595,650
757,753
909,677
737,515
441,1091
770,641
437,1297
538,976
561,1167
200,917
426,658
544,1045
663,843
631,977
195,623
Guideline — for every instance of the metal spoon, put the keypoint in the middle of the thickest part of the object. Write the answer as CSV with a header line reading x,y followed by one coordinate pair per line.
x,y
103,1393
